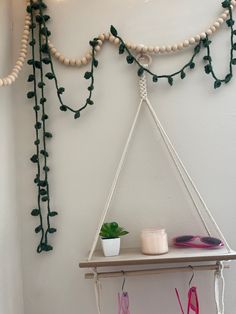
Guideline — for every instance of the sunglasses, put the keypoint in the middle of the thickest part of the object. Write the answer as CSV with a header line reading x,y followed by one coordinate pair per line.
x,y
190,241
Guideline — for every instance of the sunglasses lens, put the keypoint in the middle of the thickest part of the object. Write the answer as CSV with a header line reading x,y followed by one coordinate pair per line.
x,y
210,240
183,239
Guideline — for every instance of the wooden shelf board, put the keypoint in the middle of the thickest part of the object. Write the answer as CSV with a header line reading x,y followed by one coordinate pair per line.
x,y
175,255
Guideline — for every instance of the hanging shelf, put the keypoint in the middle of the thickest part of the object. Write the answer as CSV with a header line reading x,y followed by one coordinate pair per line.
x,y
176,255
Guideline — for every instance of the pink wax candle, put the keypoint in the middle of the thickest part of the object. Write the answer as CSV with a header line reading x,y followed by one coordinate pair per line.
x,y
154,241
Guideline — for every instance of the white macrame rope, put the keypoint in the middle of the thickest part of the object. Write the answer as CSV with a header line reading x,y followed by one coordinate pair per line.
x,y
220,289
115,181
97,290
180,167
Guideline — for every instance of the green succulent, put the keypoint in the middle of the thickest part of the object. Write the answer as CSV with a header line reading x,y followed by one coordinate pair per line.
x,y
111,230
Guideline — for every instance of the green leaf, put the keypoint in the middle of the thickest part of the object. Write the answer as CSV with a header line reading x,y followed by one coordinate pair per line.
x,y
87,75
155,78
38,64
44,117
140,71
63,108
43,100
31,78
95,63
50,75
44,198
32,42
230,22
89,101
48,134
170,80
228,78
38,229
41,84
35,212
113,31
234,32
233,61
91,87
46,17
52,230
45,48
42,183
217,84
43,192
36,142
30,61
48,248
44,153
182,75
197,49
207,58
121,48
234,46
61,90
46,168
77,115
44,31
30,94
46,60
225,4
34,158
53,214
36,108
208,68
38,125
130,59
192,65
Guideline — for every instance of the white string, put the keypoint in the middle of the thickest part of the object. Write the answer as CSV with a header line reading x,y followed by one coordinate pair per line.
x,y
220,291
97,289
115,180
180,167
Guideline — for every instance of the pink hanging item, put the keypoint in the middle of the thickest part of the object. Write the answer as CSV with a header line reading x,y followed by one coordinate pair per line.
x,y
123,303
193,304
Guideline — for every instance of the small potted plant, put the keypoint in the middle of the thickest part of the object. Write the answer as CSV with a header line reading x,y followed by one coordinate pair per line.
x,y
110,236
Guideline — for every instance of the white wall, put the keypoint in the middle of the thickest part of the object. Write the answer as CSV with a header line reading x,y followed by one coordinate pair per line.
x,y
11,298
83,153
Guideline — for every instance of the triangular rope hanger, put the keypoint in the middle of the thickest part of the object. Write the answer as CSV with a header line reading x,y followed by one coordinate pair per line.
x,y
182,171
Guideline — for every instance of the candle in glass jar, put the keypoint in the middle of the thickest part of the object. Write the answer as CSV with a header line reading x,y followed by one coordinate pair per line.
x,y
154,241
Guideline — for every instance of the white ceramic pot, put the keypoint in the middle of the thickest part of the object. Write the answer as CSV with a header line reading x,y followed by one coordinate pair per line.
x,y
111,247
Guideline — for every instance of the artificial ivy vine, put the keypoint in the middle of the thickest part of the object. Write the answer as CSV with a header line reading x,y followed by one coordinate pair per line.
x,y
42,67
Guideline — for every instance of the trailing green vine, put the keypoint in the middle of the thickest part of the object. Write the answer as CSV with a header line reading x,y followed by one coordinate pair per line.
x,y
43,68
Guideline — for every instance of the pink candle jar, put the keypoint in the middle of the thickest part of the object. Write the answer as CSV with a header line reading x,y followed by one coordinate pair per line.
x,y
154,241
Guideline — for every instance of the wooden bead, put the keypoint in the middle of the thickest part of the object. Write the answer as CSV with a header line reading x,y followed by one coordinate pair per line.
x,y
84,60
14,74
24,46
216,24
24,41
102,37
78,62
19,63
1,82
5,82
61,58
107,35
72,62
116,41
23,55
192,40
224,16
150,49
53,50
21,59
209,31
144,49
15,70
25,37
97,48
174,47
133,47
111,38
213,29
168,48
186,43
12,78
57,55
88,56
66,61
139,48
203,35
26,32
156,49
197,38
18,68
162,49
23,50
220,20
180,46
